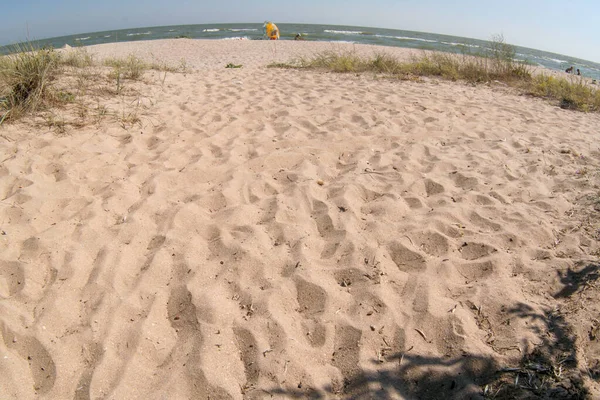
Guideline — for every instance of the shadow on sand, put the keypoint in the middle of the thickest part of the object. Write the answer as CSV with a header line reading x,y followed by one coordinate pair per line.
x,y
549,372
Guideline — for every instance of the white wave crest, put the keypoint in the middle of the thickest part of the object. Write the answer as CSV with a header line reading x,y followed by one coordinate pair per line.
x,y
412,38
461,44
343,32
555,60
139,33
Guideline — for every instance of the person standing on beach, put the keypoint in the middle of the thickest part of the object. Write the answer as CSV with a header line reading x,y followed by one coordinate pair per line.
x,y
271,30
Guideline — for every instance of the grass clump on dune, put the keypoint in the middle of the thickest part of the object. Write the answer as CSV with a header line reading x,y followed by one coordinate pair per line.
x,y
25,80
41,81
77,58
575,95
131,67
448,66
496,64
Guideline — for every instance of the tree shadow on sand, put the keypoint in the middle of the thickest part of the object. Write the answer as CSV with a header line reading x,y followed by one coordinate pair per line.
x,y
550,371
575,280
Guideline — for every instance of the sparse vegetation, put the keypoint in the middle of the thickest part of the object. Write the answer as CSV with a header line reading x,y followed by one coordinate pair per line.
x,y
496,65
130,68
78,58
576,94
444,65
43,81
25,79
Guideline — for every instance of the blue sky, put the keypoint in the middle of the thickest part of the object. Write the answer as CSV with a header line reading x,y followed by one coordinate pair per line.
x,y
566,27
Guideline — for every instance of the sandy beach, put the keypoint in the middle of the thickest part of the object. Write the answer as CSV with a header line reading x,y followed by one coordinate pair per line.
x,y
281,233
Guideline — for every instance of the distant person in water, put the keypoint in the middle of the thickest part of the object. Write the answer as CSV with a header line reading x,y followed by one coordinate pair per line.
x,y
299,37
578,72
569,70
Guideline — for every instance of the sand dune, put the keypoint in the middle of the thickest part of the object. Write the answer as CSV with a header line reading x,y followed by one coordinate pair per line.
x,y
280,233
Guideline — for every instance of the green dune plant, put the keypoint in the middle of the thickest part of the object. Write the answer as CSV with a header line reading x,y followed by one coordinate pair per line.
x,y
131,67
495,65
77,58
571,94
26,78
65,87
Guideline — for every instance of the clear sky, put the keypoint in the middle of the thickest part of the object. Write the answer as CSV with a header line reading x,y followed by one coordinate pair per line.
x,y
570,27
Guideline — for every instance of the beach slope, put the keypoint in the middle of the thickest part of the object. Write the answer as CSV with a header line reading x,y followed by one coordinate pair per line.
x,y
263,232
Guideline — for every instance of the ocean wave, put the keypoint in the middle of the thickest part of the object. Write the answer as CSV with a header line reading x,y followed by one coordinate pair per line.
x,y
236,38
343,32
211,30
139,33
461,44
412,38
82,38
555,60
107,36
242,30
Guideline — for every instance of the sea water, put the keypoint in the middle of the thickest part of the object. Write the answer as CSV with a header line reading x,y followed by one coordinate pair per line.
x,y
335,33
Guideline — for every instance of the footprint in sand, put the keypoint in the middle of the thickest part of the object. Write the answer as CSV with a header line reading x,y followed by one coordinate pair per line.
x,y
56,170
477,271
464,182
432,188
484,222
406,260
155,244
311,298
326,229
474,251
311,301
248,348
181,311
413,202
352,278
41,364
433,243
12,278
417,289
346,354
92,354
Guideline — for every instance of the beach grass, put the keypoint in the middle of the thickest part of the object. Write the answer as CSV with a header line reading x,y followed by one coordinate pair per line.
x,y
25,80
77,58
496,65
33,78
41,81
131,67
447,66
575,94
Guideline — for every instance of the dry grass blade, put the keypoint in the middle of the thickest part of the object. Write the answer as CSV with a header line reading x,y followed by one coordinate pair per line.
x,y
496,65
131,67
77,58
25,79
